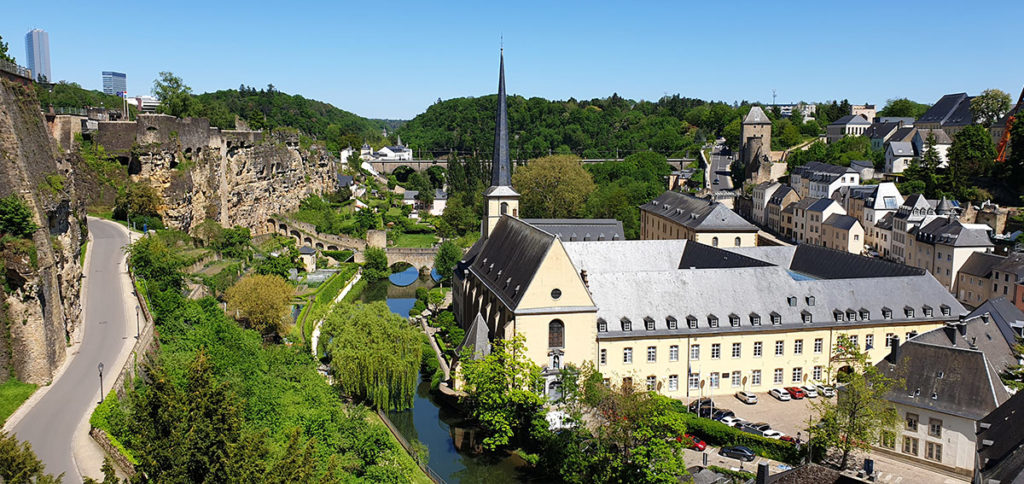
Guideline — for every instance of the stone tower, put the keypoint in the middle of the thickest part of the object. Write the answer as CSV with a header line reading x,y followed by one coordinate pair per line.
x,y
500,198
755,125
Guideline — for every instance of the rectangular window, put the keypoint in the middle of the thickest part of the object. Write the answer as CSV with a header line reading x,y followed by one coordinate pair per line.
x,y
853,341
736,351
888,439
912,422
673,353
777,376
694,352
798,347
888,339
652,354
817,373
627,355
780,348
935,427
714,379
757,349
694,381
798,374
818,345
604,356
933,451
737,379
716,351
910,445
869,342
755,378
673,383
651,383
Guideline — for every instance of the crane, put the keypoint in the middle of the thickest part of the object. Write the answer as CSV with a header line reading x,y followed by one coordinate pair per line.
x,y
1004,141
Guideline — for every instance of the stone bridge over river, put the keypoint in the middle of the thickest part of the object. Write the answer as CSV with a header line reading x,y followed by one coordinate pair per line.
x,y
305,234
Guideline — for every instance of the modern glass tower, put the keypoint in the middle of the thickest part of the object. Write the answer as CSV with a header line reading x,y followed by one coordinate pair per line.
x,y
37,51
114,82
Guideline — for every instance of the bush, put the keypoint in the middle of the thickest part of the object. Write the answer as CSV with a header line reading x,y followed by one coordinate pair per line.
x,y
376,266
417,308
15,217
717,433
421,293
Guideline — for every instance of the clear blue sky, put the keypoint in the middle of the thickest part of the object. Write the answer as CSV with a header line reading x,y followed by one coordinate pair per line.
x,y
393,59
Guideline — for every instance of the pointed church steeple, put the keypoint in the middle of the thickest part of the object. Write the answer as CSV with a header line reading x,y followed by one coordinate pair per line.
x,y
501,168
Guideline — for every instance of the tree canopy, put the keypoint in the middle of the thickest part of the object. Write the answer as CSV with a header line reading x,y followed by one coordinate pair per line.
x,y
990,106
3,52
903,108
554,186
262,301
15,217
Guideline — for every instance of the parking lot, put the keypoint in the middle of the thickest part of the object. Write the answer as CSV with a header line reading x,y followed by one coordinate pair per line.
x,y
787,417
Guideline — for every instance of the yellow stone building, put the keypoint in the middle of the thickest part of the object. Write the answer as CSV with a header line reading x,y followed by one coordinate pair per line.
x,y
676,215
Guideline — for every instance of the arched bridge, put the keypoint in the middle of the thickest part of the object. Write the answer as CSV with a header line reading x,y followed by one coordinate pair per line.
x,y
418,258
306,234
386,167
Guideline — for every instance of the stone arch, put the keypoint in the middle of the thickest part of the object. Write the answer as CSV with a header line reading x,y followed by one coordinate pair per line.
x,y
332,247
295,233
319,246
283,228
308,240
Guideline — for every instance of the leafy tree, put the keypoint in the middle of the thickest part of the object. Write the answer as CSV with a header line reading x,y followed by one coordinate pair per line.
x,y
4,56
376,266
860,414
554,186
448,254
903,108
503,391
16,218
374,354
971,154
989,106
156,263
137,199
282,263
457,219
175,97
1013,376
19,464
262,300
1015,160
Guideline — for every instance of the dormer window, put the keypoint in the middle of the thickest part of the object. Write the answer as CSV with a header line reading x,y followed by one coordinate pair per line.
x,y
755,319
712,321
671,322
734,320
886,313
776,318
865,314
649,323
627,325
792,301
908,311
927,311
851,315
805,316
836,314
602,325
691,322
945,310
810,300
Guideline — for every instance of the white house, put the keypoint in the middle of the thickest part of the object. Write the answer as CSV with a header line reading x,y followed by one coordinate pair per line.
x,y
849,125
942,144
435,208
821,180
898,156
762,193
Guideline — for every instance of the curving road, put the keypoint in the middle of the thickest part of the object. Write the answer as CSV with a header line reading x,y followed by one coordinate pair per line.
x,y
51,422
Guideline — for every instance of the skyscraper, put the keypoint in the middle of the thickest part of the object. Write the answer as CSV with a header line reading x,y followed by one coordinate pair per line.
x,y
37,51
114,82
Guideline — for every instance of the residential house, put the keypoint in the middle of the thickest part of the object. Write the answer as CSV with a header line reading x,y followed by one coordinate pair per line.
x,y
783,197
1008,279
864,168
842,232
950,113
942,144
942,245
762,193
821,180
435,207
974,280
879,133
915,210
906,133
903,121
849,125
881,238
307,255
898,156
676,215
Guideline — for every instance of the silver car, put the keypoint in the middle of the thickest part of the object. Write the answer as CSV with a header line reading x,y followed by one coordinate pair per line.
x,y
825,390
780,394
746,397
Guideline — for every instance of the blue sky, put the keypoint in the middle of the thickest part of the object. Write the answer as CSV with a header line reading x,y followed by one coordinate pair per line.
x,y
393,59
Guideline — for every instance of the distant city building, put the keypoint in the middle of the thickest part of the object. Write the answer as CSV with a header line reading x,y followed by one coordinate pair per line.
x,y
805,110
849,125
866,110
37,53
114,82
680,216
145,104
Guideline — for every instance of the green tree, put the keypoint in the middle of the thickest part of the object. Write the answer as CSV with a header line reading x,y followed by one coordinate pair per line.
x,y
281,264
503,391
137,199
989,106
554,186
376,266
971,154
374,354
448,254
261,301
1015,160
860,414
175,97
156,263
16,218
4,56
19,464
903,108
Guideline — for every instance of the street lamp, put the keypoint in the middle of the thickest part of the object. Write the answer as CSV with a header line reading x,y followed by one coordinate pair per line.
x,y
137,332
100,368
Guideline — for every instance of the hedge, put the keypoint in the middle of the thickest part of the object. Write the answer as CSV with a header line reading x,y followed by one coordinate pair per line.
x,y
99,420
717,433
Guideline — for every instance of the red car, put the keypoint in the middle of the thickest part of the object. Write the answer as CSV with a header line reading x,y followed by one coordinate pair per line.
x,y
796,392
787,438
695,443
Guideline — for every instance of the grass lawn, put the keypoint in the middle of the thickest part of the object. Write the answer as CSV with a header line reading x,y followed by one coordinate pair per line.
x,y
416,240
12,394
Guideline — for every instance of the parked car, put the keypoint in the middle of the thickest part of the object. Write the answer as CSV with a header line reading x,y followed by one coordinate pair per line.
x,y
705,412
702,402
732,421
780,394
746,397
721,413
716,181
738,452
772,434
810,391
750,429
788,438
796,392
762,426
825,390
694,442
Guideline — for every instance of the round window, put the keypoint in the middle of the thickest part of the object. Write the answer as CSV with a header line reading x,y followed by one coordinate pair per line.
x,y
556,293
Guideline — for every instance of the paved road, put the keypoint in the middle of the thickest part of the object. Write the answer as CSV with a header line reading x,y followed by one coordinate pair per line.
x,y
51,422
720,168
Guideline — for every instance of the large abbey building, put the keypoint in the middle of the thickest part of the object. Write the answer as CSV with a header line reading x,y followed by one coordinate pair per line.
x,y
673,314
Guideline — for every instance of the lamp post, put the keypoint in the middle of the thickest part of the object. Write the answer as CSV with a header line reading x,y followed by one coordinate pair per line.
x,y
100,368
137,331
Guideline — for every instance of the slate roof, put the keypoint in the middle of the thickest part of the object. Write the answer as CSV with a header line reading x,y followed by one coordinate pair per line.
x,y
307,250
980,264
843,222
905,133
824,263
820,204
1006,316
780,194
812,473
968,388
410,194
907,121
345,180
817,167
1013,264
628,255
861,165
881,130
901,148
509,258
476,338
501,165
697,213
440,194
949,110
950,231
580,229
700,256
885,223
941,137
756,116
850,119
978,332
1001,442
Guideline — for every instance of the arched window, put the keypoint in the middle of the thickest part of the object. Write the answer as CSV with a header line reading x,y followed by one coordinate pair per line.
x,y
504,208
737,241
714,241
556,334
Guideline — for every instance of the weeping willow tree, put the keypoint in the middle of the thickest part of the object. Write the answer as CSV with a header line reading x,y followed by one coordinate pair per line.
x,y
374,354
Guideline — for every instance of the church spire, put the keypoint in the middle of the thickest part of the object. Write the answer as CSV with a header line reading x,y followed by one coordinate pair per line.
x,y
501,167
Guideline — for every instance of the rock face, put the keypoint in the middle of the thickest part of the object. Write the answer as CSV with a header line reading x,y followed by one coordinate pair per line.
x,y
41,311
234,177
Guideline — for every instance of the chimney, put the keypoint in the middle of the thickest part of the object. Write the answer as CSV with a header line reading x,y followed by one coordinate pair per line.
x,y
762,473
586,282
950,330
962,325
985,318
894,350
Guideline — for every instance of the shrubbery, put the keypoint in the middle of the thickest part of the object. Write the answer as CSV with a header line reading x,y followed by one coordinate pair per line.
x,y
15,217
717,433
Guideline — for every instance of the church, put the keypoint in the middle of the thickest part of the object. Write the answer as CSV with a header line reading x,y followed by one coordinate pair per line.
x,y
677,316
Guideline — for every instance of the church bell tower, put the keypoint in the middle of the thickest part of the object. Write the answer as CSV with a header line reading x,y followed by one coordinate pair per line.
x,y
500,198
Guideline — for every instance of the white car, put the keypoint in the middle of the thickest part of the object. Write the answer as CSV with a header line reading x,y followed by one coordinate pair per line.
x,y
825,390
780,394
810,391
772,434
731,421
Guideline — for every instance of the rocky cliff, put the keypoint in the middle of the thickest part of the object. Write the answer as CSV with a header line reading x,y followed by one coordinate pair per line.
x,y
234,177
41,277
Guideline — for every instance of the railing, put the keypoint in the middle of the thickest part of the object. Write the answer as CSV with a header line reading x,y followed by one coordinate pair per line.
x,y
15,69
408,448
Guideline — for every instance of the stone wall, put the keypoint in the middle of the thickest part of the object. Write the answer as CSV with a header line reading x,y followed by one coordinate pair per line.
x,y
42,306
